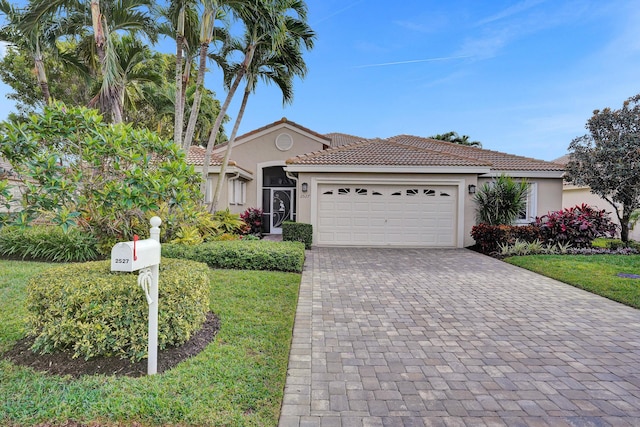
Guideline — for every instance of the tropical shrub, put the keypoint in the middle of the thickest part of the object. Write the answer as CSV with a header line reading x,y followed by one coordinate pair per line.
x,y
107,179
253,217
243,255
490,238
47,243
578,225
226,222
500,201
521,247
297,232
89,310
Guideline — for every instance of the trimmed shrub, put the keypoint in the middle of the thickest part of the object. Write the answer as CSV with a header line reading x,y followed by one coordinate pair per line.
x,y
297,232
490,238
48,243
578,225
242,255
91,311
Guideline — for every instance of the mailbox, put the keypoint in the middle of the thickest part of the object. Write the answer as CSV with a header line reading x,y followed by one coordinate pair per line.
x,y
133,256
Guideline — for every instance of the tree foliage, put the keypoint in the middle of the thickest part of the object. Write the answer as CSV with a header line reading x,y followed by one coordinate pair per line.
x,y
500,201
79,171
607,159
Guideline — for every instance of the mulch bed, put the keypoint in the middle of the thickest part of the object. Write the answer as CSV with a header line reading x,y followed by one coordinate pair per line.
x,y
61,363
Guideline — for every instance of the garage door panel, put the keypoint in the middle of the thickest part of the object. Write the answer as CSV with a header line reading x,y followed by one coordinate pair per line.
x,y
380,215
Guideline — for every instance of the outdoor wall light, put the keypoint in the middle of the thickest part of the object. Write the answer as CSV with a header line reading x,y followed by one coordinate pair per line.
x,y
472,189
305,187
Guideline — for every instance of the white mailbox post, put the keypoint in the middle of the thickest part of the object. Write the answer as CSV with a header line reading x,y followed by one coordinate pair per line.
x,y
144,255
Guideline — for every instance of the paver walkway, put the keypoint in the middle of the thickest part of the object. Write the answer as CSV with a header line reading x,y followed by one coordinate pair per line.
x,y
411,337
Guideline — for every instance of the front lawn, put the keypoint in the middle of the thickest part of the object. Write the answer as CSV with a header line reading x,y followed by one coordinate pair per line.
x,y
595,273
238,380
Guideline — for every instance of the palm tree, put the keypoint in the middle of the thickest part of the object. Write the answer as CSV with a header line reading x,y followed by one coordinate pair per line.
x,y
112,16
457,139
208,33
267,23
279,67
30,39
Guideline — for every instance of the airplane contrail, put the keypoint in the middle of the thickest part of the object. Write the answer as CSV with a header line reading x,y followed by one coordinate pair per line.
x,y
384,64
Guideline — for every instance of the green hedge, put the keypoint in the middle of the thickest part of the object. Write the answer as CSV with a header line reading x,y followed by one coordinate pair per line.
x,y
242,255
48,243
297,232
92,311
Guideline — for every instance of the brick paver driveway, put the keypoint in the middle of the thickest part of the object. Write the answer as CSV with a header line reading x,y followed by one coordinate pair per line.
x,y
411,337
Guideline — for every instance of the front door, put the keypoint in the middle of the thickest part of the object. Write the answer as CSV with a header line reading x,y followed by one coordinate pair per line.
x,y
281,208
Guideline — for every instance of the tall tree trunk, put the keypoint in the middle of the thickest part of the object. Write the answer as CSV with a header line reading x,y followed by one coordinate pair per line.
x,y
179,106
223,110
186,74
98,31
197,97
227,154
42,75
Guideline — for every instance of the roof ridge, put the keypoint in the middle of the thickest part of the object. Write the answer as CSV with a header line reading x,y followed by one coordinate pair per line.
x,y
467,147
429,150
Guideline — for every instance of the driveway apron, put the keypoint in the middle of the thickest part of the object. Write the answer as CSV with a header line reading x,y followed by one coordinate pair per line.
x,y
418,337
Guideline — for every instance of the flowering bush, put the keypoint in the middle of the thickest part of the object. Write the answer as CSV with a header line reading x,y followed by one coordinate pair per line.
x,y
253,217
578,225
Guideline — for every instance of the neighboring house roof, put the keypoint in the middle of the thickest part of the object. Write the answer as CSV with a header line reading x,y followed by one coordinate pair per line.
x,y
382,152
339,139
563,160
499,161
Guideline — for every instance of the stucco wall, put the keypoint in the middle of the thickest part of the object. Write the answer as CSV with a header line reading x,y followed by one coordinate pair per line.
x,y
260,151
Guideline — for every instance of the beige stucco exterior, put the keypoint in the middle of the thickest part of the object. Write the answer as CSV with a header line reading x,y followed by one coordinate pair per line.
x,y
274,144
258,150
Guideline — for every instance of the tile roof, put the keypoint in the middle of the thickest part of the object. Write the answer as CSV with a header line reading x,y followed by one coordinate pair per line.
x,y
381,152
338,139
498,160
196,157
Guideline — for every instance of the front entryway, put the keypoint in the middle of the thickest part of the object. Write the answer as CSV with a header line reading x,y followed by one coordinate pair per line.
x,y
387,215
278,199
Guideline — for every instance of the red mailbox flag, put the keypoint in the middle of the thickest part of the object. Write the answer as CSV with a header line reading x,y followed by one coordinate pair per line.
x,y
135,239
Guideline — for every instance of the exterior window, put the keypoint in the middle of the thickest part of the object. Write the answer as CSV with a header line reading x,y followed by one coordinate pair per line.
x,y
237,192
375,193
443,194
528,215
208,196
362,191
344,190
330,192
428,192
412,192
397,193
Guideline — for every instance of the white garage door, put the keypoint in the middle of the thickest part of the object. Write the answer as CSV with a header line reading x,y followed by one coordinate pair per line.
x,y
394,215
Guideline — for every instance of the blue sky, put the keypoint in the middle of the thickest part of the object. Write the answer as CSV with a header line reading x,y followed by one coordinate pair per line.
x,y
520,76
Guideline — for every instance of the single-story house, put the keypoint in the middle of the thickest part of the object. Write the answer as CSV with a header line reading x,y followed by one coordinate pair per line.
x,y
399,191
573,195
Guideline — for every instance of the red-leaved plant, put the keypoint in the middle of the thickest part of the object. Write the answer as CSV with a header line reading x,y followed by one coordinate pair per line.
x,y
253,217
578,225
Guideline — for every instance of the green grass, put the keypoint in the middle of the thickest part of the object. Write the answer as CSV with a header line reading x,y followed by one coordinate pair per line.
x,y
595,273
238,380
